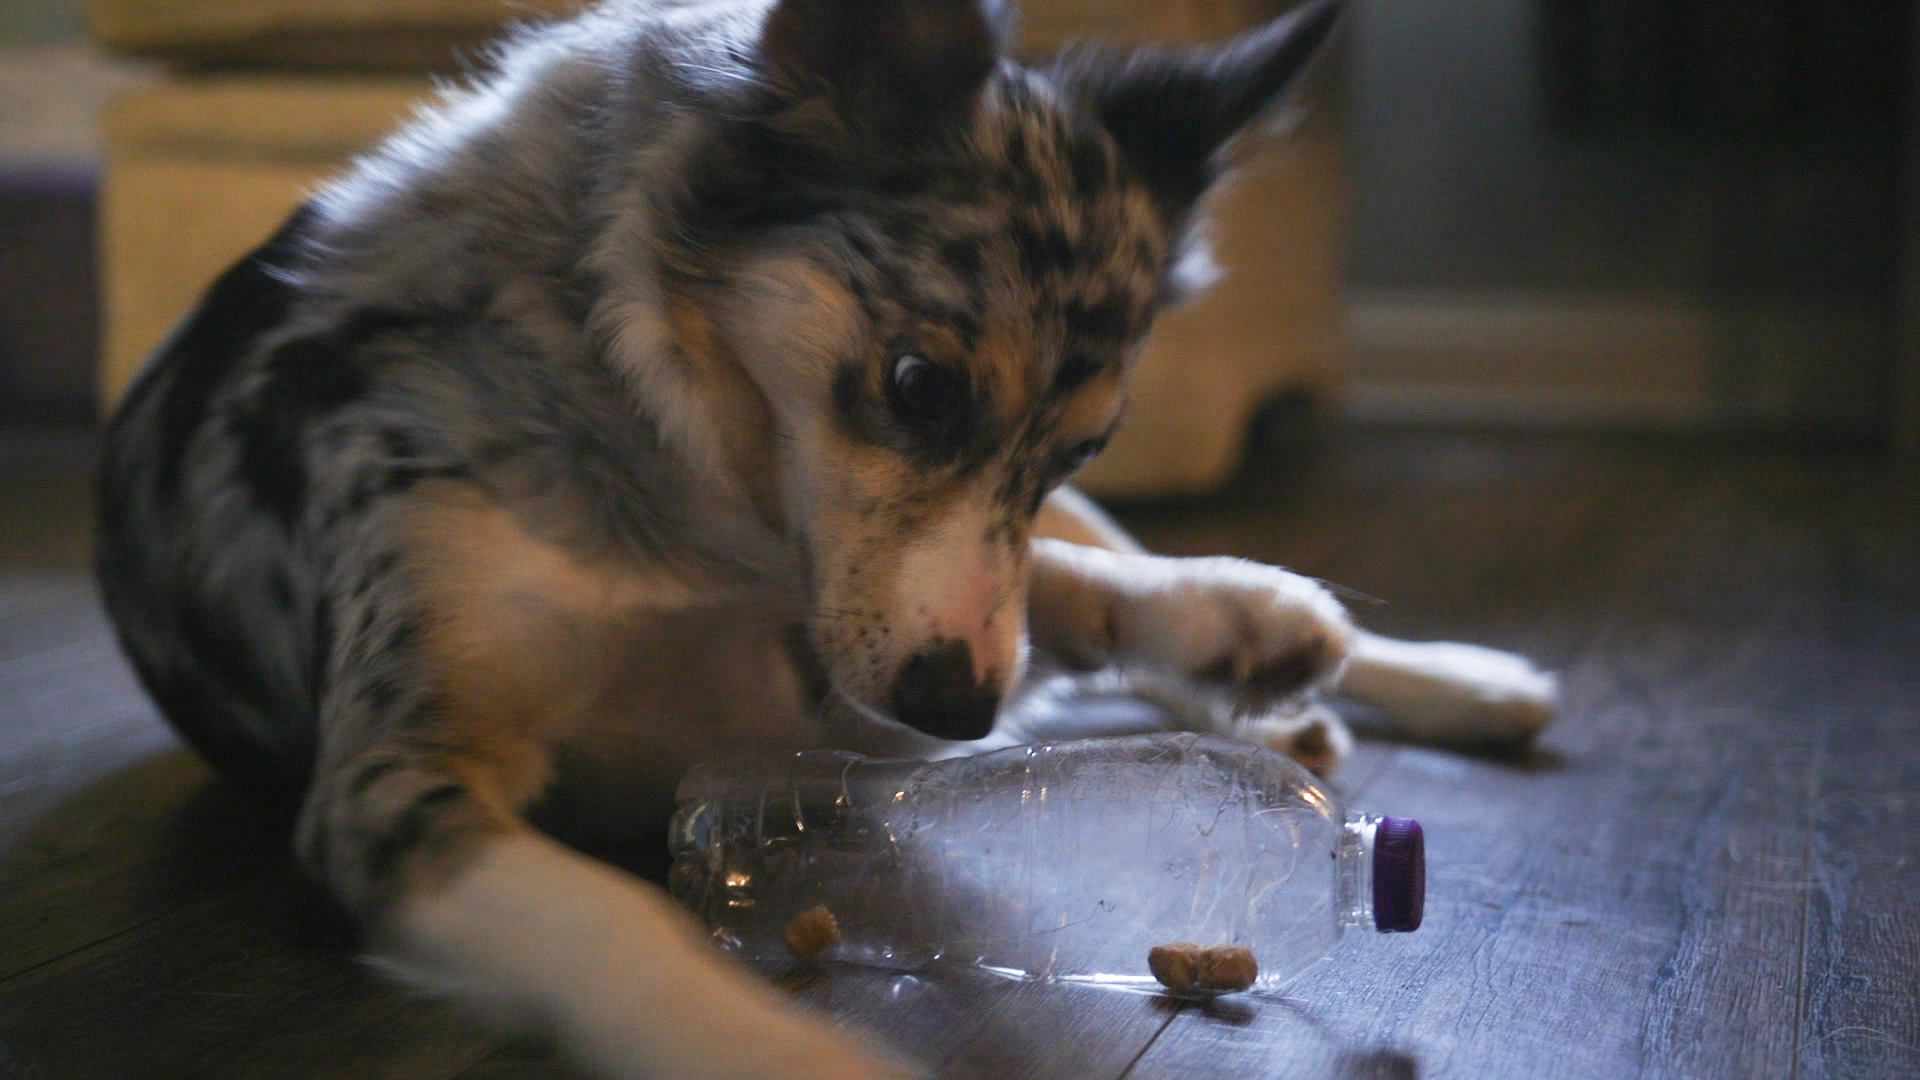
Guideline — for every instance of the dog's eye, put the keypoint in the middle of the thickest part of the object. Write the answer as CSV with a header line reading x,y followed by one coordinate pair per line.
x,y
923,390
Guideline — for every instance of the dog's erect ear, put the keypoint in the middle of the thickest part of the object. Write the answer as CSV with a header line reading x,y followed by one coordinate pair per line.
x,y
1172,110
900,69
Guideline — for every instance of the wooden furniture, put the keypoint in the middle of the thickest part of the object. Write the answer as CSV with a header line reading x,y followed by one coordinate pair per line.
x,y
203,165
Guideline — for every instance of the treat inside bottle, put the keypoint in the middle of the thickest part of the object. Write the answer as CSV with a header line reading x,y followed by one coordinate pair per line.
x,y
1067,861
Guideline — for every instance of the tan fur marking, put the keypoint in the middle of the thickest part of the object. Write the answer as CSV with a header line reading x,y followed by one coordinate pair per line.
x,y
1093,408
738,405
874,516
859,543
1005,360
518,633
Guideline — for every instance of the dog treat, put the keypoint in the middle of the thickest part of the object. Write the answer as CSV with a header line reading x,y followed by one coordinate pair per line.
x,y
811,932
1177,966
1228,968
1184,967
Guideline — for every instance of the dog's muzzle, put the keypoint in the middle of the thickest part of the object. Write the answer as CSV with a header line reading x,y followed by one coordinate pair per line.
x,y
936,694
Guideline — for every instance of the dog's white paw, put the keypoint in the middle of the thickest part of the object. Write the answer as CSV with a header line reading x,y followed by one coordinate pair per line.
x,y
1302,726
1448,691
1259,632
1305,730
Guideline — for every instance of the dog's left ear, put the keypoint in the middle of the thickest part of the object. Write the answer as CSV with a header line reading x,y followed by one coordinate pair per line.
x,y
900,70
1173,110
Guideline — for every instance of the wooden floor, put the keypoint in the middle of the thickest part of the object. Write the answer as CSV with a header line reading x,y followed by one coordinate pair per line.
x,y
1710,867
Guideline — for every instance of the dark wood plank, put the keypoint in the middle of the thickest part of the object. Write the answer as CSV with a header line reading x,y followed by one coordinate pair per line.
x,y
1862,979
1863,921
1631,900
960,1022
225,987
972,1024
149,917
106,822
1706,869
367,1030
1582,916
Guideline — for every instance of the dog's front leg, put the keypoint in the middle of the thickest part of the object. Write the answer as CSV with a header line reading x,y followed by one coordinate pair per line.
x,y
1263,638
1097,598
1436,690
620,974
1451,692
458,897
414,823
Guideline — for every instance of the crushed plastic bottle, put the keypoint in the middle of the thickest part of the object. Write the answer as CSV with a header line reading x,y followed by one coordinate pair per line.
x,y
1066,861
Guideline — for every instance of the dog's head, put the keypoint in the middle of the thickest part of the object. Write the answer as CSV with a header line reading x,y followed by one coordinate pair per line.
x,y
936,268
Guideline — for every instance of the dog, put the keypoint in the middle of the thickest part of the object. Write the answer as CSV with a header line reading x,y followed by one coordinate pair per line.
x,y
699,384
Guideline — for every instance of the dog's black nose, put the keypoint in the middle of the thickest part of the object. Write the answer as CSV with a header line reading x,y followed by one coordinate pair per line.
x,y
936,694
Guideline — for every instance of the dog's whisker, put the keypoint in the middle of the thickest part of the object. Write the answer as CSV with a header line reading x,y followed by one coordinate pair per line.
x,y
1347,592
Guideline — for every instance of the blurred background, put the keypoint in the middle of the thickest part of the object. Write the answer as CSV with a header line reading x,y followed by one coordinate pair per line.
x,y
1685,216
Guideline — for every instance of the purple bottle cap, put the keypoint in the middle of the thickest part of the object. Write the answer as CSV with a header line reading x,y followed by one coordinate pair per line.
x,y
1399,875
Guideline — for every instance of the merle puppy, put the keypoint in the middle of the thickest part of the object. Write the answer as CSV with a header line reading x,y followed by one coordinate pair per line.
x,y
700,383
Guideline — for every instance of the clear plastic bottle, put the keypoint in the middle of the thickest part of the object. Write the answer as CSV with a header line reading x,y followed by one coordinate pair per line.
x,y
1067,861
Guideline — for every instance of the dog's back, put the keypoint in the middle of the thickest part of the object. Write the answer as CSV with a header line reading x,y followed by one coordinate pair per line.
x,y
205,605
421,312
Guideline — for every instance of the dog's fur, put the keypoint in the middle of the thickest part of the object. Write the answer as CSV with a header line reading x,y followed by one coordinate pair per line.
x,y
699,384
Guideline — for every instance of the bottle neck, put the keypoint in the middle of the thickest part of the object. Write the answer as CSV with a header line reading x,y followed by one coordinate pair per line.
x,y
1353,871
